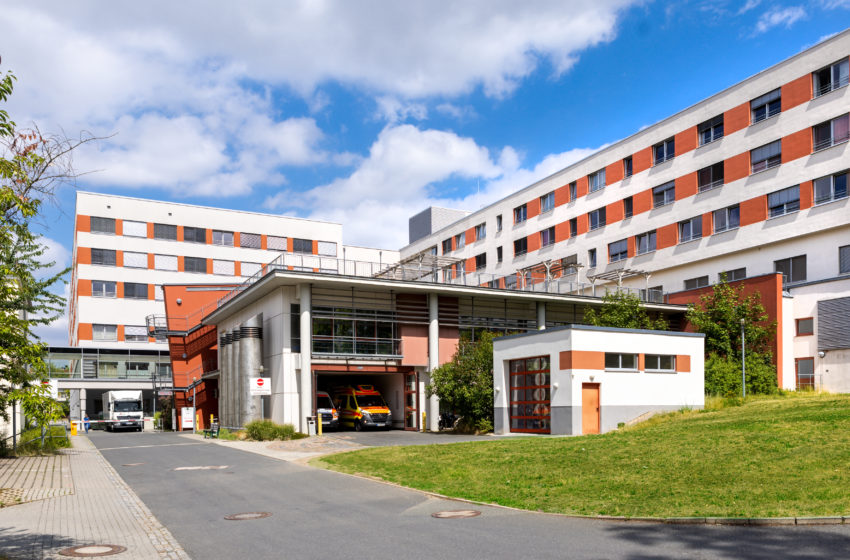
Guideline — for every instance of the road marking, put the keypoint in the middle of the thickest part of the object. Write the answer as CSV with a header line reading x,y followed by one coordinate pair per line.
x,y
143,446
206,468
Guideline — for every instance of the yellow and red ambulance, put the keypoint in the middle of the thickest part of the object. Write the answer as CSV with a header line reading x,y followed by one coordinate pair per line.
x,y
362,407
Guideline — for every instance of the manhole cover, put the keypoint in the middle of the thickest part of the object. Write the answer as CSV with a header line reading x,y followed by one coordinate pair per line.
x,y
456,514
92,550
247,516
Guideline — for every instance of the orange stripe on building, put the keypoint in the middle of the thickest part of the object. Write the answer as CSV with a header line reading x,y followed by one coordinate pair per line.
x,y
562,232
533,208
614,173
806,195
562,195
83,288
797,145
614,212
686,185
736,167
84,331
642,160
119,226
83,223
753,210
683,363
797,92
666,236
686,140
582,359
83,255
736,118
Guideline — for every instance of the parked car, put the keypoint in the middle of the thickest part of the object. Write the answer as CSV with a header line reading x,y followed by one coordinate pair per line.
x,y
362,407
325,407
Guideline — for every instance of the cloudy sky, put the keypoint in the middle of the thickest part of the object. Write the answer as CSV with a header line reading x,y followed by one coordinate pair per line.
x,y
351,109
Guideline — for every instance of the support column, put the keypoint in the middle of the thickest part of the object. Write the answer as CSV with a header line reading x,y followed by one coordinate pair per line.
x,y
83,403
433,406
305,394
222,379
74,401
250,362
541,315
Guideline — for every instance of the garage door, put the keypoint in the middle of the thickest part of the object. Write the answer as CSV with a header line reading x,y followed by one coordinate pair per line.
x,y
530,395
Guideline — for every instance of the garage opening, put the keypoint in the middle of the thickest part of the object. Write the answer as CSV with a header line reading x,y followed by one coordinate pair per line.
x,y
398,389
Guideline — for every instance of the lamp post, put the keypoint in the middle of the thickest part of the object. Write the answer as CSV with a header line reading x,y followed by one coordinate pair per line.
x,y
743,362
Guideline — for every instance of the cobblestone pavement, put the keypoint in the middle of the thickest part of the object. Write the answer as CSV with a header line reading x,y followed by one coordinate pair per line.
x,y
99,508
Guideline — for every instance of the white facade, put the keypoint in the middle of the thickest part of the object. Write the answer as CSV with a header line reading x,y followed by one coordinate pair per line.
x,y
233,244
578,357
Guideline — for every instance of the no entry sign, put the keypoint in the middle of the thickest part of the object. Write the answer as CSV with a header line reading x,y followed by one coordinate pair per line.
x,y
261,386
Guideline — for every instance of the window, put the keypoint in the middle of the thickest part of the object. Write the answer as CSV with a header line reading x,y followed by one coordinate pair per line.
x,y
165,262
547,237
844,259
165,231
135,291
573,227
302,246
195,264
783,202
832,132
659,363
733,275
520,213
766,106
547,202
136,333
710,177
766,157
628,167
222,238
596,180
295,327
460,240
530,395
591,258
645,242
792,269
250,240
710,130
570,264
498,254
520,246
727,218
621,361
664,194
499,223
135,260
831,187
105,332
226,268
480,231
194,235
481,261
628,207
134,229
249,268
158,293
830,78
573,191
690,230
100,288
806,327
326,248
694,283
596,218
664,151
102,225
618,250
276,243
805,373
447,246
105,257
433,251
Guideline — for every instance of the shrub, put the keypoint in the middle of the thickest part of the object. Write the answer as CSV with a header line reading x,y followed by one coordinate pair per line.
x,y
723,377
266,430
29,442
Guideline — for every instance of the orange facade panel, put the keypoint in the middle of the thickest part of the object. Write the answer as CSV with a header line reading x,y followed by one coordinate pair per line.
x,y
533,242
581,359
686,185
581,186
614,212
119,226
614,173
83,223
470,235
150,231
84,331
797,92
797,145
736,167
562,195
753,210
562,232
83,255
582,225
686,140
683,363
642,160
642,202
666,236
83,287
707,224
533,207
736,118
806,195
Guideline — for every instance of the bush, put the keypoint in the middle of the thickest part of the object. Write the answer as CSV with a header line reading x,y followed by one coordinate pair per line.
x,y
723,377
29,442
266,430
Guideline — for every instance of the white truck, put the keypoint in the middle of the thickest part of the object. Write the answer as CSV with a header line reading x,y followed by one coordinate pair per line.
x,y
122,410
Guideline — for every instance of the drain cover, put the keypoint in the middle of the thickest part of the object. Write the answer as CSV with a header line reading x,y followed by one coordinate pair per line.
x,y
92,550
247,516
456,514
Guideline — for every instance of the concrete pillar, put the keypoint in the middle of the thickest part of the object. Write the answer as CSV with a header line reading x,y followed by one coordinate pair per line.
x,y
250,361
83,403
541,315
236,377
433,405
222,378
306,389
74,402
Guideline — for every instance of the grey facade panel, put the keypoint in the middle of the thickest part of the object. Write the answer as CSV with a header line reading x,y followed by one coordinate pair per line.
x,y
430,220
833,323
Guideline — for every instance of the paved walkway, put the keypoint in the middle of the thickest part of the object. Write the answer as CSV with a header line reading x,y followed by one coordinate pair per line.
x,y
27,479
97,508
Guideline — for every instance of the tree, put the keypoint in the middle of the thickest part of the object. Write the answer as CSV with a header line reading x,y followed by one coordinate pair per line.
x,y
624,310
465,384
718,316
32,166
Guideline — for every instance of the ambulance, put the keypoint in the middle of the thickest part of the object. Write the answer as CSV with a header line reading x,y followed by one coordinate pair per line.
x,y
362,407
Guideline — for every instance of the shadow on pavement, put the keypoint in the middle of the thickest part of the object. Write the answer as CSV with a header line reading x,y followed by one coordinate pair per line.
x,y
739,543
18,544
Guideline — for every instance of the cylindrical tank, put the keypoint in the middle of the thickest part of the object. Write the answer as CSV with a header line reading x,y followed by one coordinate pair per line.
x,y
250,360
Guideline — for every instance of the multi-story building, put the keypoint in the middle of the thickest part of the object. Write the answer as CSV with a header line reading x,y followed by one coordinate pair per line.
x,y
751,181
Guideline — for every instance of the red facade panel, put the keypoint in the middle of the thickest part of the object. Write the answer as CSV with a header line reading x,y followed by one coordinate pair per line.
x,y
736,167
686,141
736,118
686,185
642,160
797,92
797,145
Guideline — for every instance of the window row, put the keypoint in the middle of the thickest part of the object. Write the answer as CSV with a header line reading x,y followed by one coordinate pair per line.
x,y
107,257
655,363
132,333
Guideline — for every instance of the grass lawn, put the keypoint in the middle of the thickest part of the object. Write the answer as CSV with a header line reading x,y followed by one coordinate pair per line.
x,y
772,457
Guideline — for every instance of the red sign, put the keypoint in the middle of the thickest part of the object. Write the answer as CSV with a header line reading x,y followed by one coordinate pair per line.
x,y
259,382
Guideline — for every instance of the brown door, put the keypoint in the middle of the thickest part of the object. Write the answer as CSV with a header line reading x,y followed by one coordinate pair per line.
x,y
590,408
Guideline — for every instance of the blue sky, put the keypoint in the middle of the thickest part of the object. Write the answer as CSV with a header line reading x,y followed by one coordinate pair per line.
x,y
349,110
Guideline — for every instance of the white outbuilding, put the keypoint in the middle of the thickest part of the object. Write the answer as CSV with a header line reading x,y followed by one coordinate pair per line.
x,y
580,379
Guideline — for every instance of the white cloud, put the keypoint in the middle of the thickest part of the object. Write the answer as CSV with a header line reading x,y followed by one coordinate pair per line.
x,y
393,109
458,112
55,253
779,16
750,5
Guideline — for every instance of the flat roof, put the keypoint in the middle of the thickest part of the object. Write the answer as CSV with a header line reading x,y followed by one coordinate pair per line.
x,y
578,327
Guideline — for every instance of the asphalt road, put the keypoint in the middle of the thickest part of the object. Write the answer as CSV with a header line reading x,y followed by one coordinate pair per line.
x,y
321,514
